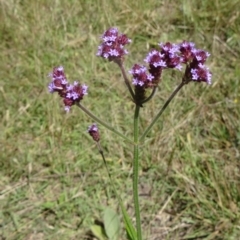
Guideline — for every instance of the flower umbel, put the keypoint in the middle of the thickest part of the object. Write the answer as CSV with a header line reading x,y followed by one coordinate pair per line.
x,y
71,93
93,131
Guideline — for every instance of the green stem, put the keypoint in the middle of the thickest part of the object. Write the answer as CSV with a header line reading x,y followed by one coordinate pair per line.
x,y
161,111
135,173
103,123
151,95
120,64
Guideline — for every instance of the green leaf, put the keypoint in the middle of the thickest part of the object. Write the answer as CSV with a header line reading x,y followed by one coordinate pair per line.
x,y
98,232
111,224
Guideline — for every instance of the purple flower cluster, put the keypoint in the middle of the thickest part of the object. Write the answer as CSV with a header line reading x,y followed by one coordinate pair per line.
x,y
140,76
93,131
71,93
112,47
168,57
195,60
172,56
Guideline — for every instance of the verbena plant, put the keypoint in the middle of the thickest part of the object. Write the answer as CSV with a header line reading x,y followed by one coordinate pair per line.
x,y
142,88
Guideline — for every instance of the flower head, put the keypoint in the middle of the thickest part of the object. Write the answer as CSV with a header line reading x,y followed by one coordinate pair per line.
x,y
74,94
59,80
166,57
201,74
141,77
156,59
71,93
156,64
171,52
93,131
200,56
187,50
112,47
195,59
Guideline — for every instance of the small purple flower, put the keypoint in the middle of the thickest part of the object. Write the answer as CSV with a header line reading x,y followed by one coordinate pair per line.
x,y
171,55
112,47
59,80
201,74
141,77
93,131
192,55
71,93
74,94
195,59
187,50
156,59
167,57
156,64
200,56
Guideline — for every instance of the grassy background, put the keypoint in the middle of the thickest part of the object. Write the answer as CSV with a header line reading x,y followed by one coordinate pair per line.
x,y
53,183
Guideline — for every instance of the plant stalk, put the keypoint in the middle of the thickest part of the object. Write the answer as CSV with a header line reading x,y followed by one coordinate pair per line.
x,y
151,96
120,64
103,123
135,173
161,111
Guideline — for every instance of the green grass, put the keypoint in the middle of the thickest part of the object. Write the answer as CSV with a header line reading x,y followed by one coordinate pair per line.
x,y
53,181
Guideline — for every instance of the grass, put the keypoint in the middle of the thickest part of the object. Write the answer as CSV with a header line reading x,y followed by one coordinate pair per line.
x,y
53,182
